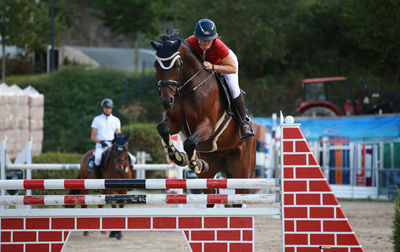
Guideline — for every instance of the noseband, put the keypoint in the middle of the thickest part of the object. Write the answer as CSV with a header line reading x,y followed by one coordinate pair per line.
x,y
174,85
171,84
116,160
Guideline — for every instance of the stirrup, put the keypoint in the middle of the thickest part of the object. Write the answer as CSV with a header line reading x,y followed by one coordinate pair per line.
x,y
245,136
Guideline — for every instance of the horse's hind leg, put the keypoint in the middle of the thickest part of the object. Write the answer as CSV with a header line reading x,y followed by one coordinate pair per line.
x,y
179,158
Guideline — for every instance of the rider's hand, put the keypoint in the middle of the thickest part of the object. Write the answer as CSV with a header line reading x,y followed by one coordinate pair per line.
x,y
104,144
208,66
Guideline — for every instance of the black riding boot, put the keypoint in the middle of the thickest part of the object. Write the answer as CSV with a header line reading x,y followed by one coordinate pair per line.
x,y
245,129
97,172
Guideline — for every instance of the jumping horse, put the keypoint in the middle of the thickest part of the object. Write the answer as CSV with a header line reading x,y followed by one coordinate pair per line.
x,y
195,105
115,165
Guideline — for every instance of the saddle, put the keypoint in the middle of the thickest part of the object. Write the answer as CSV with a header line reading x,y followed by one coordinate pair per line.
x,y
104,158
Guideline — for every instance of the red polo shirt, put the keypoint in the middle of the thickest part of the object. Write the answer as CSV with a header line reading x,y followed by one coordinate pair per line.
x,y
215,54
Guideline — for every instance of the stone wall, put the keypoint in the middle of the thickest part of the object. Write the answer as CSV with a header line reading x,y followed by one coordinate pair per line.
x,y
21,117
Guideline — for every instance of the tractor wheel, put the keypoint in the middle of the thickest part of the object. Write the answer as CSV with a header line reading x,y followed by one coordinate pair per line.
x,y
319,111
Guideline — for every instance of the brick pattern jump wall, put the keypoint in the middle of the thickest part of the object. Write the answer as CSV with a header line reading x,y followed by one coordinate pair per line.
x,y
28,234
313,220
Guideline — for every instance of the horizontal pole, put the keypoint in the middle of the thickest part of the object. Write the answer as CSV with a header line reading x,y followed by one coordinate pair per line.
x,y
136,211
153,199
43,166
46,166
91,184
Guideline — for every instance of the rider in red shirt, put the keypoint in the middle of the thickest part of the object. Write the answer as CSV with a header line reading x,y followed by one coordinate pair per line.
x,y
218,57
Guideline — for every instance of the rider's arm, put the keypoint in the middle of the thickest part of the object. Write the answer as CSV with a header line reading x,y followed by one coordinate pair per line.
x,y
118,131
227,66
93,136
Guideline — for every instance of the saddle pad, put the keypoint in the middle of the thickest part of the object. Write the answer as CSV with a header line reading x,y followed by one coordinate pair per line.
x,y
210,144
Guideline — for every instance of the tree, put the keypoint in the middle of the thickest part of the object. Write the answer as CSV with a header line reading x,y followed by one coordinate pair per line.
x,y
15,16
129,17
372,30
24,23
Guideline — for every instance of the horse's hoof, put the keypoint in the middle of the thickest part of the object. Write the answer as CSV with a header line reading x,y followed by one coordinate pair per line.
x,y
183,159
205,166
200,166
86,233
119,235
112,234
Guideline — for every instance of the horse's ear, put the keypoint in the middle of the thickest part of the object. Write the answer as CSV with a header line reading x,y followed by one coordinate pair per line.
x,y
115,135
177,44
155,45
127,136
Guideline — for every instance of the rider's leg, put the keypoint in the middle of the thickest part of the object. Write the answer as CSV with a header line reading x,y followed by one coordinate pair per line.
x,y
97,161
238,100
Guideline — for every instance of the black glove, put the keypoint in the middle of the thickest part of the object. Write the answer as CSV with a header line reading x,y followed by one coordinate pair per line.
x,y
104,144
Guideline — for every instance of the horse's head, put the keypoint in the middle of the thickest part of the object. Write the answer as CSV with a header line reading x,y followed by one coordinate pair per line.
x,y
168,66
119,154
120,143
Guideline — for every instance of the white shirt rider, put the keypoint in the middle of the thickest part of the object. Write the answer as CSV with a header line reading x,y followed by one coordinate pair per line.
x,y
103,128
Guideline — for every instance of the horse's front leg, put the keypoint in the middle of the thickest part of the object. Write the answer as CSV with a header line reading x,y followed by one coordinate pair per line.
x,y
196,164
179,158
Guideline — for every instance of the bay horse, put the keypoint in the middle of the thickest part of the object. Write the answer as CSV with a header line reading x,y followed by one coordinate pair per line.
x,y
194,104
115,165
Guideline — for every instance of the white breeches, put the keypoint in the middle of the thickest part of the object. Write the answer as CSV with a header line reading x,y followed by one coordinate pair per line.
x,y
233,79
99,151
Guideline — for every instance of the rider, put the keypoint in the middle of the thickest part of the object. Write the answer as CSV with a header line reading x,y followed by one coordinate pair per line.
x,y
218,57
103,128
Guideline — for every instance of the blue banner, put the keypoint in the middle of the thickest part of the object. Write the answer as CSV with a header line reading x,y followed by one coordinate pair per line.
x,y
355,128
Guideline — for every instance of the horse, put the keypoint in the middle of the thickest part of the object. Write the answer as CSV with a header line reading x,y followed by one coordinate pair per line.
x,y
115,165
194,104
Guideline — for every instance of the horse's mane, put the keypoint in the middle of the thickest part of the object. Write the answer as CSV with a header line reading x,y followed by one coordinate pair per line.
x,y
172,34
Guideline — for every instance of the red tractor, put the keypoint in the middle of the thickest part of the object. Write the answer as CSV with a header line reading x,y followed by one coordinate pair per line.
x,y
328,97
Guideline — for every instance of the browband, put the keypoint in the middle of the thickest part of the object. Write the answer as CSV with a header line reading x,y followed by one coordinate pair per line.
x,y
173,58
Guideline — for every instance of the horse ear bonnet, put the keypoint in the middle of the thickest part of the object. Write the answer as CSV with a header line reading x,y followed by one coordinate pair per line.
x,y
167,53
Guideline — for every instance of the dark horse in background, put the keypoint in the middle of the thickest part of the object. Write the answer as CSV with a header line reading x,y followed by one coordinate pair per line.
x,y
115,165
194,104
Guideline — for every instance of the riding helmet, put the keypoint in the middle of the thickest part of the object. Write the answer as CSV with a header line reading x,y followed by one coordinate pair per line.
x,y
205,29
107,102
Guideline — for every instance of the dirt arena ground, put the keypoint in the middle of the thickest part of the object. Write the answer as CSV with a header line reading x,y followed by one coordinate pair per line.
x,y
370,220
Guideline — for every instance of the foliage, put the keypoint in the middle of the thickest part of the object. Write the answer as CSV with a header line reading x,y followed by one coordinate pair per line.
x,y
128,16
25,23
144,137
72,99
370,27
396,223
278,43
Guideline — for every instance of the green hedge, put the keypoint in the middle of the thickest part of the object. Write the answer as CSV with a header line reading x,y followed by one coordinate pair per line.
x,y
144,137
72,99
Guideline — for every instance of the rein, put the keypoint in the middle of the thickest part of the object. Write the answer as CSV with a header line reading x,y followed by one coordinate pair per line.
x,y
116,160
175,86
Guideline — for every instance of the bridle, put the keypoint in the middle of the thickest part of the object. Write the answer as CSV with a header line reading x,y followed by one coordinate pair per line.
x,y
175,85
120,161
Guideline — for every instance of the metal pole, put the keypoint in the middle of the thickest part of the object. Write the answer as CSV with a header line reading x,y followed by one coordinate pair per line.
x,y
126,91
143,79
52,58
